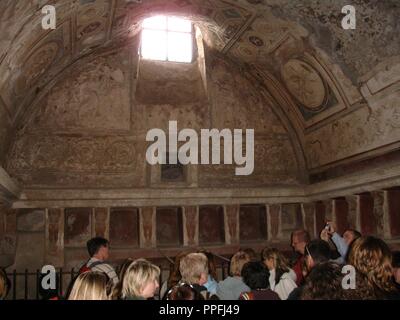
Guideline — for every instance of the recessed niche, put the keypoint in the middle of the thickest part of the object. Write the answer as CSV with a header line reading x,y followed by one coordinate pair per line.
x,y
393,197
291,219
253,223
211,225
169,227
77,227
341,212
320,216
124,227
172,172
368,220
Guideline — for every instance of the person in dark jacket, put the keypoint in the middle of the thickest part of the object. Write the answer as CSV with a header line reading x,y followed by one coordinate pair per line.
x,y
256,277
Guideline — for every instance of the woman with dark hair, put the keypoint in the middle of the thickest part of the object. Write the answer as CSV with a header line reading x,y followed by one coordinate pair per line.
x,y
324,282
282,278
184,291
372,260
117,291
255,276
174,275
251,252
315,253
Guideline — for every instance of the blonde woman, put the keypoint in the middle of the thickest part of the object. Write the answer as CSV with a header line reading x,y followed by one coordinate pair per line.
x,y
281,277
233,286
90,285
174,276
140,281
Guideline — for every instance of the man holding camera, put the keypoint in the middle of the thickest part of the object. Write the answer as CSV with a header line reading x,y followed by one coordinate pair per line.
x,y
342,243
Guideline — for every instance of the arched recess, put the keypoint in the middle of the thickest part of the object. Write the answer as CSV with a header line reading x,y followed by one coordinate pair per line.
x,y
270,100
277,97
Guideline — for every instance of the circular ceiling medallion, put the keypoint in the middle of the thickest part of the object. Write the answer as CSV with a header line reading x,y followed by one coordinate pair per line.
x,y
304,83
41,60
36,65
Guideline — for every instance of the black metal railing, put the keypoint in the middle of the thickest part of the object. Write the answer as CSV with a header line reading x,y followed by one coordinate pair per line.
x,y
22,288
24,277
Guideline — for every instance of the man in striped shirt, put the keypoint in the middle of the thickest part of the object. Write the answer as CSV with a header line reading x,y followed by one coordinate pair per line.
x,y
98,249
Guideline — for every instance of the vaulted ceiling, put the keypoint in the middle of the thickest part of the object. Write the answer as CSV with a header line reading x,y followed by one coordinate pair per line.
x,y
297,50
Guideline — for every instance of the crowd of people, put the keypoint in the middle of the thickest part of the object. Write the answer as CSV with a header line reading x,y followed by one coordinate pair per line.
x,y
317,273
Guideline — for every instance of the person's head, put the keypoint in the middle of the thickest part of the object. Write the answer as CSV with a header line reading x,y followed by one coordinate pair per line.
x,y
184,291
124,267
274,259
51,293
324,282
175,274
238,260
396,266
212,266
194,268
316,252
255,275
373,259
299,240
117,291
350,235
4,284
90,285
140,280
98,247
252,254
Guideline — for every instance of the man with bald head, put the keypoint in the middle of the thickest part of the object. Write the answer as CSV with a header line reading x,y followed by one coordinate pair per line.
x,y
299,240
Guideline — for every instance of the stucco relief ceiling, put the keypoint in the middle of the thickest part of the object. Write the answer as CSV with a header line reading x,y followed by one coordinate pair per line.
x,y
296,47
250,31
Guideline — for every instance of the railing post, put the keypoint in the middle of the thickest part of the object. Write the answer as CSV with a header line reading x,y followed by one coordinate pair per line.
x,y
15,284
38,284
160,279
26,284
61,280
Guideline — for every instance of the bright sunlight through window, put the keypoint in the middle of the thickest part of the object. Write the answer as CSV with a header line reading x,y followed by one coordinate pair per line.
x,y
167,39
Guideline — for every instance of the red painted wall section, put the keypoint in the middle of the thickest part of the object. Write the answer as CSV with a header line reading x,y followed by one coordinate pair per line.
x,y
367,218
394,212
